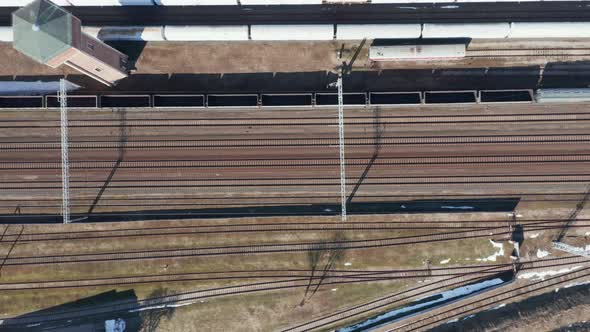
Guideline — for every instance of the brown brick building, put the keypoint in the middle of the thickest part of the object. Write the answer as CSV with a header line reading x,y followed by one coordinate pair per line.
x,y
50,35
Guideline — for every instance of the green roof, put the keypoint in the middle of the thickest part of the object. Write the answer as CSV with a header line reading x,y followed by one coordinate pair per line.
x,y
42,30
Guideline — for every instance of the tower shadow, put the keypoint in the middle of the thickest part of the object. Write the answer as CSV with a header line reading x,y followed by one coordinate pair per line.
x,y
377,133
123,137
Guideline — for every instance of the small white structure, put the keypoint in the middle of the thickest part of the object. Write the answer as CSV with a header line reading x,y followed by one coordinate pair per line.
x,y
6,34
126,33
414,52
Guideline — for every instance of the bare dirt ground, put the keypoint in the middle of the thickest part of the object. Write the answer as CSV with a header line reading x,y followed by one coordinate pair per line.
x,y
272,57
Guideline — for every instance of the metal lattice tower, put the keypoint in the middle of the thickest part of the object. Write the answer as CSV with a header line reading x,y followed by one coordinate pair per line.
x,y
65,165
341,147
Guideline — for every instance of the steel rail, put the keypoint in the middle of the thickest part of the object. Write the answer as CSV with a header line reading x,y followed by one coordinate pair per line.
x,y
255,249
271,182
388,300
487,299
302,162
315,226
213,117
303,142
214,123
233,290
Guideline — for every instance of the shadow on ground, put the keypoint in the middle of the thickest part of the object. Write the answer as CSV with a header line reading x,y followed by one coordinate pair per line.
x,y
506,204
78,316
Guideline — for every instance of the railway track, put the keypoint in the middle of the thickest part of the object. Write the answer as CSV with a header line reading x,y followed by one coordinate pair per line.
x,y
281,227
302,162
342,275
483,301
294,142
321,121
197,201
545,52
353,275
501,233
424,290
306,182
498,233
190,297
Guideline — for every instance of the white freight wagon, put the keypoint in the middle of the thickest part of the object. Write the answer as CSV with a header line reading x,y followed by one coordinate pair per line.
x,y
549,30
206,33
412,52
374,31
466,30
292,32
196,2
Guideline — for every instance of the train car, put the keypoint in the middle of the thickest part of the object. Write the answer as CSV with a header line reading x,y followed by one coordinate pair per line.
x,y
549,30
280,2
111,2
562,95
206,33
468,30
416,52
373,31
292,32
196,2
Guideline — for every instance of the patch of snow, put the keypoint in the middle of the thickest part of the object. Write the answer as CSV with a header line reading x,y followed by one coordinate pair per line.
x,y
499,306
113,325
453,321
534,236
576,284
327,210
347,264
445,261
457,207
542,253
403,206
492,257
444,296
470,316
541,275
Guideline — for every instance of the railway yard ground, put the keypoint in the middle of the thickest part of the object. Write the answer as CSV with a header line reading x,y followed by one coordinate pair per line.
x,y
436,193
250,185
260,65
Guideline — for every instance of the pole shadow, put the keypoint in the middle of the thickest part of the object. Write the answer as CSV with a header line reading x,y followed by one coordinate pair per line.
x,y
123,137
